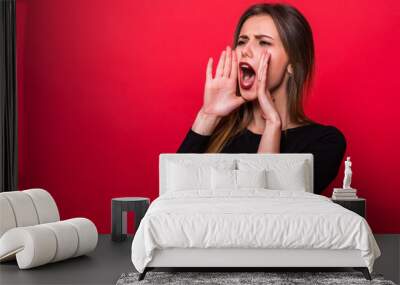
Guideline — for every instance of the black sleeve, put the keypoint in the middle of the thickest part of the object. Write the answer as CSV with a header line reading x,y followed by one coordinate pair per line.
x,y
328,151
194,143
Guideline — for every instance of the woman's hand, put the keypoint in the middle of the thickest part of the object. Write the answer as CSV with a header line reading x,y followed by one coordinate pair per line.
x,y
270,140
269,111
220,92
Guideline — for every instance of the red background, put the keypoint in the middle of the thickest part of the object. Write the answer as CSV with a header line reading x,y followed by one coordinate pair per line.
x,y
105,87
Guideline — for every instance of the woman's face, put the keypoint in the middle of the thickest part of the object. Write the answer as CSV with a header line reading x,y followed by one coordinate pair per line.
x,y
258,34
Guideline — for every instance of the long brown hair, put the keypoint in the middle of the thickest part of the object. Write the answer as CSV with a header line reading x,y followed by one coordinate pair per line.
x,y
297,40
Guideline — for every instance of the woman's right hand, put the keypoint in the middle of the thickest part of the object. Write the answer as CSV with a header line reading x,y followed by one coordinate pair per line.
x,y
220,92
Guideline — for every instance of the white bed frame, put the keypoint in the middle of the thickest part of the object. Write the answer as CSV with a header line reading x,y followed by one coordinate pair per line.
x,y
250,257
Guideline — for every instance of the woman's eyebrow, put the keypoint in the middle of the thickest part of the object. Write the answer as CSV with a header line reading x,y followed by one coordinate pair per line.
x,y
260,36
256,36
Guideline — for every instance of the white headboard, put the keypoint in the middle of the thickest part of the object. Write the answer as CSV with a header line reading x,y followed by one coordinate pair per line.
x,y
204,157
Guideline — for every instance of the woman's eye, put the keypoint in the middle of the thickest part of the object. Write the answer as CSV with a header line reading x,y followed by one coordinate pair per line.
x,y
264,43
261,43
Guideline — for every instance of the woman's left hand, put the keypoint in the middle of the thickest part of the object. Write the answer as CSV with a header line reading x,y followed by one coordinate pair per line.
x,y
269,111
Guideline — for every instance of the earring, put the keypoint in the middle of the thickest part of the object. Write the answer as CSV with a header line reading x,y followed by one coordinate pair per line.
x,y
290,73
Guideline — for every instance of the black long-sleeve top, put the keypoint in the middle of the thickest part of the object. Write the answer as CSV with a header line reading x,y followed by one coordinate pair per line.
x,y
326,143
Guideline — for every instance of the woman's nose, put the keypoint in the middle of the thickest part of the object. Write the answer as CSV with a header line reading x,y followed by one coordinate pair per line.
x,y
246,51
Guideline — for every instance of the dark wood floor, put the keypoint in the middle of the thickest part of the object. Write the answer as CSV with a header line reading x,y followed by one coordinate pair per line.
x,y
102,266
110,259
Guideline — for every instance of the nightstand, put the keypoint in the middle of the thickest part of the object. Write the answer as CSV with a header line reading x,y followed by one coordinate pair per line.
x,y
356,205
119,209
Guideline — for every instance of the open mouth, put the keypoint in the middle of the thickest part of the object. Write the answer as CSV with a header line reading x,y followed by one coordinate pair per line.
x,y
247,75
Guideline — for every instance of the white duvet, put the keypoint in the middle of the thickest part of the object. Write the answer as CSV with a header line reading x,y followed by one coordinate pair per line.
x,y
250,218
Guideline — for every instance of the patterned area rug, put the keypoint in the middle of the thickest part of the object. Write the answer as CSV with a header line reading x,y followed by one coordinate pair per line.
x,y
275,278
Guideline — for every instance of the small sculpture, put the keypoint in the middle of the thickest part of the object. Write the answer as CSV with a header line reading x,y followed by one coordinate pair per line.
x,y
347,174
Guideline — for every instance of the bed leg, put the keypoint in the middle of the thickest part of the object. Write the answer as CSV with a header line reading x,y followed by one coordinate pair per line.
x,y
143,274
364,271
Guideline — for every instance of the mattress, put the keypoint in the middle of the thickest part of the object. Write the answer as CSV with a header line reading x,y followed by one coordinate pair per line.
x,y
250,218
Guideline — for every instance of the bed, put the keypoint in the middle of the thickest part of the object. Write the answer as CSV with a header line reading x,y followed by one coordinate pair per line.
x,y
247,210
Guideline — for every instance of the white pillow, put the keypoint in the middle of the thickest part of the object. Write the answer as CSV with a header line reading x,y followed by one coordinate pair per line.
x,y
281,175
187,177
189,174
237,179
251,178
289,179
223,179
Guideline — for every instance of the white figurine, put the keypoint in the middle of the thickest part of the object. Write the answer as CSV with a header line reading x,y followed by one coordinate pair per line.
x,y
347,174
